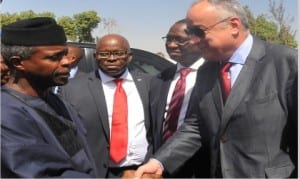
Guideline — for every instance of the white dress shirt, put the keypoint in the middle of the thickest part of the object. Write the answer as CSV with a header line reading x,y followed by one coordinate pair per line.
x,y
137,141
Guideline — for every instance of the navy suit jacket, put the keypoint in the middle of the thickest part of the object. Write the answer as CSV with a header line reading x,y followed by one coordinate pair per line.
x,y
86,95
255,133
31,149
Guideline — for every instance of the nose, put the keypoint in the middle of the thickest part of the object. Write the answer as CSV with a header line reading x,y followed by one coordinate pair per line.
x,y
66,61
111,57
172,44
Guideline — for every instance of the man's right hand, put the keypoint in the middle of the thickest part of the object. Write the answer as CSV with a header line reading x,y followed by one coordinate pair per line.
x,y
152,167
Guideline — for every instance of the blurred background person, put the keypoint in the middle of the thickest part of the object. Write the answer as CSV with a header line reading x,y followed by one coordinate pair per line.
x,y
75,54
4,71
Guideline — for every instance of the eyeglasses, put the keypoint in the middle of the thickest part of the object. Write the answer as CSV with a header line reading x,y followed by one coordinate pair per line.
x,y
200,31
107,54
177,40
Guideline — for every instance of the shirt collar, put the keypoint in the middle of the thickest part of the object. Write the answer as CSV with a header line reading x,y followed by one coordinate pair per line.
x,y
241,54
106,78
194,66
73,71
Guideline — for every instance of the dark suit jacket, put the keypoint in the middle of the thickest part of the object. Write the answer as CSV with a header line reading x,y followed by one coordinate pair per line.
x,y
158,94
87,96
255,133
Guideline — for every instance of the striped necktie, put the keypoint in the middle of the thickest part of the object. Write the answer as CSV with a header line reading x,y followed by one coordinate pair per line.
x,y
170,125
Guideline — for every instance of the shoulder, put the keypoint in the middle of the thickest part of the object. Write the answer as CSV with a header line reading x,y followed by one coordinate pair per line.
x,y
140,76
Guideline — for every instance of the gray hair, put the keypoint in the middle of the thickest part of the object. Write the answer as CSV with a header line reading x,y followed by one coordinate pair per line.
x,y
229,8
8,51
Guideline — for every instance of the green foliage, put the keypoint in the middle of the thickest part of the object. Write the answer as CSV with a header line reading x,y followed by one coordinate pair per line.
x,y
85,23
77,28
69,26
276,31
7,18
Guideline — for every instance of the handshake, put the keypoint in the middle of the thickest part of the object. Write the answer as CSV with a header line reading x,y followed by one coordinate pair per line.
x,y
152,169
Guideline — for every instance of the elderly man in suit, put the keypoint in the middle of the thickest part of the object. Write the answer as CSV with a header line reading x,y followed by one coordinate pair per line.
x,y
246,114
114,105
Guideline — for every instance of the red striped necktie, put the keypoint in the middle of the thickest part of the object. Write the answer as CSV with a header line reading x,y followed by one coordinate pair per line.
x,y
170,125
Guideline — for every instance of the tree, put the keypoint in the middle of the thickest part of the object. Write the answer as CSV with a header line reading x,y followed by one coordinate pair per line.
x,y
285,34
85,23
69,25
109,25
264,29
7,18
275,30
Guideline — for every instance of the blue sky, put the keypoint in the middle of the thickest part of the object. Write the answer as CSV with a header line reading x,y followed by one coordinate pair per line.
x,y
143,23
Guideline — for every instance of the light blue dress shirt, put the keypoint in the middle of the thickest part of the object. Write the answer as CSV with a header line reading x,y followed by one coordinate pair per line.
x,y
239,58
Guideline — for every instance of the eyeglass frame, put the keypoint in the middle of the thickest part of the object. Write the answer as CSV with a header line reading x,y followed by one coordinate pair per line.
x,y
165,38
201,31
113,53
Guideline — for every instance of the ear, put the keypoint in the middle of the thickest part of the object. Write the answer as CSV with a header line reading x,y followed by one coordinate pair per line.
x,y
17,62
236,25
95,55
129,58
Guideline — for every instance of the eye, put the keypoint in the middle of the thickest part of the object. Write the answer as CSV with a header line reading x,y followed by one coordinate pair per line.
x,y
57,56
181,40
103,54
119,53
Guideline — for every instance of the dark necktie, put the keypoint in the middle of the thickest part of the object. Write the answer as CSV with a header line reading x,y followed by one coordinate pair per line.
x,y
170,125
225,80
119,127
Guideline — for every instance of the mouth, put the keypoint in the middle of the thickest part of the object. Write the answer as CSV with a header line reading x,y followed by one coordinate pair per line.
x,y
175,54
63,75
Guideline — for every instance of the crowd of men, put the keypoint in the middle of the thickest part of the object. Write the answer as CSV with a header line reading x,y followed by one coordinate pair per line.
x,y
227,108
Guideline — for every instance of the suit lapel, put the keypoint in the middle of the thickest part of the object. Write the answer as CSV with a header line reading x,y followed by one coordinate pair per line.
x,y
167,78
243,82
96,89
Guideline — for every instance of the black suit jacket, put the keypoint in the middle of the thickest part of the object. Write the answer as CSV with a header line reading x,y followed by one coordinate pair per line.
x,y
158,94
255,132
87,96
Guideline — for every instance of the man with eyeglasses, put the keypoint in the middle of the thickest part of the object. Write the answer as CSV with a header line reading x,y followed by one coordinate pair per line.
x,y
185,50
114,105
245,113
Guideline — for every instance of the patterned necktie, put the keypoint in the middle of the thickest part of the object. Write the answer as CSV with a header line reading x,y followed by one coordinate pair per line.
x,y
119,127
225,80
170,125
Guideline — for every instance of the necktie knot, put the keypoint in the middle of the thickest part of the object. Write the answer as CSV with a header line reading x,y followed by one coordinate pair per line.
x,y
185,71
118,81
225,80
225,67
